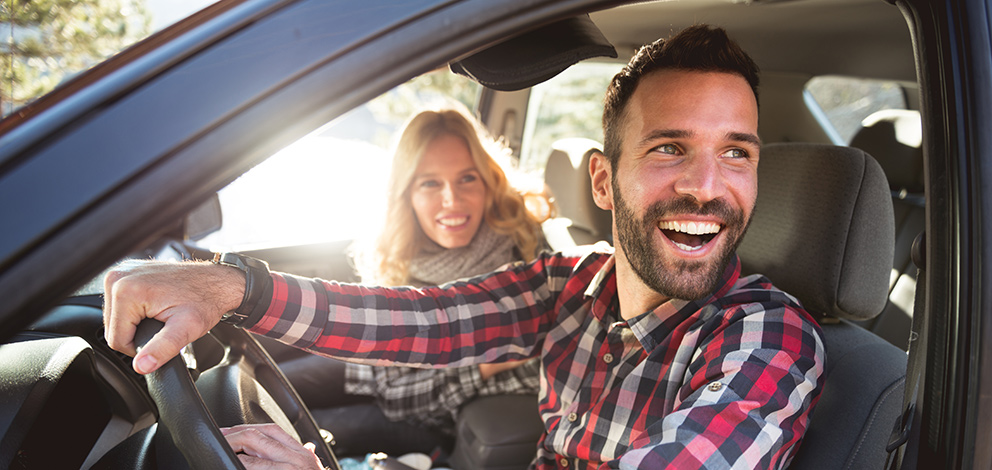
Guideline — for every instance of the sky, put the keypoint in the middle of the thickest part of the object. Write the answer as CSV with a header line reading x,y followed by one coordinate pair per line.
x,y
166,12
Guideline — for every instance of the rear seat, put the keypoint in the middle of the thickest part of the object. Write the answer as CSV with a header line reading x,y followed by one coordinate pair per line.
x,y
893,137
579,221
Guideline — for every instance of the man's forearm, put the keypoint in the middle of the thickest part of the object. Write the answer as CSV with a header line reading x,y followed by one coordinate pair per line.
x,y
460,324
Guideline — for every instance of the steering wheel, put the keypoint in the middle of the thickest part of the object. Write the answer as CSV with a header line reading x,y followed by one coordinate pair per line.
x,y
246,386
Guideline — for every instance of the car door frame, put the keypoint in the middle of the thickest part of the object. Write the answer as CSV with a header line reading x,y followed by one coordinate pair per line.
x,y
145,143
954,63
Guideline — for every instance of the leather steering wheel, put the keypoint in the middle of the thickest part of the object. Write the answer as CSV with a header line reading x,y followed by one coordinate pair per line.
x,y
246,386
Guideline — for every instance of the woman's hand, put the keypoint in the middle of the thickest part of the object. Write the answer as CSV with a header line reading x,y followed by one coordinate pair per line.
x,y
489,370
268,447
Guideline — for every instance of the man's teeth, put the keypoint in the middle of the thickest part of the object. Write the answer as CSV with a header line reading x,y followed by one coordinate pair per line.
x,y
453,221
691,228
687,247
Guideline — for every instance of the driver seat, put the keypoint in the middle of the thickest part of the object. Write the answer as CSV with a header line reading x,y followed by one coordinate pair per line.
x,y
823,231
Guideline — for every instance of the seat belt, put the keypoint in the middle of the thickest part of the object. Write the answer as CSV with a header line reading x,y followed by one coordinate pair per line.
x,y
907,426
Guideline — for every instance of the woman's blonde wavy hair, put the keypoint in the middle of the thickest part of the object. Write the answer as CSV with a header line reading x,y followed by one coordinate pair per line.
x,y
402,238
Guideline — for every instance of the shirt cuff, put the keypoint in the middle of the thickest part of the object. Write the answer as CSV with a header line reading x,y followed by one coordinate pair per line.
x,y
261,307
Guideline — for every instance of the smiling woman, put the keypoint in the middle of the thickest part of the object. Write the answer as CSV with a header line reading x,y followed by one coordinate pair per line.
x,y
342,165
448,194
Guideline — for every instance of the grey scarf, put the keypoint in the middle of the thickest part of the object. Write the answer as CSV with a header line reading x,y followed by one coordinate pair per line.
x,y
487,251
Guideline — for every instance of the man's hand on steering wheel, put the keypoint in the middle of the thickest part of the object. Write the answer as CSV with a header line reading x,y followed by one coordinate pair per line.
x,y
190,298
268,447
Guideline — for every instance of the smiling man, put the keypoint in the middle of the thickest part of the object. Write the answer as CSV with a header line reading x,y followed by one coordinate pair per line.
x,y
685,151
657,355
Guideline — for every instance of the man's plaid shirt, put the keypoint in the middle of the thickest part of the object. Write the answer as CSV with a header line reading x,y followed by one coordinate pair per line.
x,y
726,381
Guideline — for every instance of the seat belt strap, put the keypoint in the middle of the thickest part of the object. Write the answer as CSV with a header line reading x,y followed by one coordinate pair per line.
x,y
908,421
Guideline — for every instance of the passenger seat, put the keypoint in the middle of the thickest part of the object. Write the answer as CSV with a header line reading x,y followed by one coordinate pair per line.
x,y
894,138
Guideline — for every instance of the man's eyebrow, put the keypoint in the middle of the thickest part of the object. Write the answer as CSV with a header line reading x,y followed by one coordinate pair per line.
x,y
682,134
744,137
665,134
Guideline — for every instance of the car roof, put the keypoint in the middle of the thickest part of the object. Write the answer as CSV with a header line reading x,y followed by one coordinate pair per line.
x,y
865,38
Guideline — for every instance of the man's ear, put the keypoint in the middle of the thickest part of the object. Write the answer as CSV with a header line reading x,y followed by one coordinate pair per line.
x,y
600,172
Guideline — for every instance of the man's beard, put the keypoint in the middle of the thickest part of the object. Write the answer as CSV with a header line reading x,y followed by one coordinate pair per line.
x,y
676,278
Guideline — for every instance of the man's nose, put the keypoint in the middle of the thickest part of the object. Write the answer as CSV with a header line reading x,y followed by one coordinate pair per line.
x,y
702,179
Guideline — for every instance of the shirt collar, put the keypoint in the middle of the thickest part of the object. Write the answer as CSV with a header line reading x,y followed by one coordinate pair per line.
x,y
650,328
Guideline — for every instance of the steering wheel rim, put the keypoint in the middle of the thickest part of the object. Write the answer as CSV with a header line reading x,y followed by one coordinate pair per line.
x,y
247,360
182,408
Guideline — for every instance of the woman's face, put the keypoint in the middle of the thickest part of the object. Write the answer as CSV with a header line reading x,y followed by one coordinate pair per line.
x,y
447,193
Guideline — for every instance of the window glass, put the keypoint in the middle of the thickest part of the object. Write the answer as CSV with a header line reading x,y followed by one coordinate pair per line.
x,y
330,185
45,43
568,105
841,103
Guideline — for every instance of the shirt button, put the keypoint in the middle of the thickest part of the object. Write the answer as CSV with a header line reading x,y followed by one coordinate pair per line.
x,y
563,462
607,358
715,386
572,417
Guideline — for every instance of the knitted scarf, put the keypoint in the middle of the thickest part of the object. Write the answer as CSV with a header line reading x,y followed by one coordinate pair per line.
x,y
487,251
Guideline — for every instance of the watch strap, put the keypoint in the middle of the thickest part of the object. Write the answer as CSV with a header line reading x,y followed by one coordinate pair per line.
x,y
257,281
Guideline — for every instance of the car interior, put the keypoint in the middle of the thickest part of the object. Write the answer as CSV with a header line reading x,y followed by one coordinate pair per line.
x,y
838,214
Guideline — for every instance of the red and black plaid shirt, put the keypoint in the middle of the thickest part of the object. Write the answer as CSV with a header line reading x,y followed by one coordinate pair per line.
x,y
727,381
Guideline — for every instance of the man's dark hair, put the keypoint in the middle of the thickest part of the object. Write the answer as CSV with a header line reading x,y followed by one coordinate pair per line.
x,y
697,48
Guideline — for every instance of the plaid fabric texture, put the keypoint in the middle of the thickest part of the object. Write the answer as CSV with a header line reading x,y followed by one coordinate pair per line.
x,y
432,397
726,381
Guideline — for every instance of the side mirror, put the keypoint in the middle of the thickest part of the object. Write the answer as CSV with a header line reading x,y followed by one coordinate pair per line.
x,y
204,220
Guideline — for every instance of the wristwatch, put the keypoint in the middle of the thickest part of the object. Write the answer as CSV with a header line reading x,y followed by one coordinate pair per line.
x,y
256,278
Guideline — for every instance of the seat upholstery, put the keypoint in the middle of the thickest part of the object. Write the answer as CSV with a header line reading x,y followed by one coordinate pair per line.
x,y
580,221
894,138
823,231
497,432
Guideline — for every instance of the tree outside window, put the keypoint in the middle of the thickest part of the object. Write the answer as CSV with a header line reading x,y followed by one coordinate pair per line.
x,y
45,42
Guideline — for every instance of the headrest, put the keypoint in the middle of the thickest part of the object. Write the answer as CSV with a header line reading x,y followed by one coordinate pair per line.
x,y
823,228
567,175
535,56
894,137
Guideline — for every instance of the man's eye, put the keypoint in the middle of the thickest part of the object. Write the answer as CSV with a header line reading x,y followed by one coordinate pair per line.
x,y
670,149
736,153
